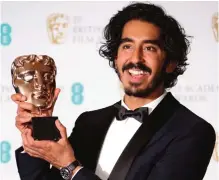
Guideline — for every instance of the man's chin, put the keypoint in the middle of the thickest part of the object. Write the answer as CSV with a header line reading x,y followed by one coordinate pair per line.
x,y
138,92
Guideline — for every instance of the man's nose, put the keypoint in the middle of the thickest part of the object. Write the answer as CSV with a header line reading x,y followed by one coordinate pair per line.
x,y
137,55
38,81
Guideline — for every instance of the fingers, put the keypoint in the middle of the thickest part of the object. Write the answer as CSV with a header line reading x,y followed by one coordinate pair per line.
x,y
27,144
35,144
17,98
56,94
23,135
24,114
57,91
24,106
62,129
22,119
29,137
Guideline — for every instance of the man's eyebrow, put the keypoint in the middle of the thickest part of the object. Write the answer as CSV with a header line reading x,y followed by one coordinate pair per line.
x,y
123,40
149,41
155,42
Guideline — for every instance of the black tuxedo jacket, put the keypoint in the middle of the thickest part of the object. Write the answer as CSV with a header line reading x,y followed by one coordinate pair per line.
x,y
172,144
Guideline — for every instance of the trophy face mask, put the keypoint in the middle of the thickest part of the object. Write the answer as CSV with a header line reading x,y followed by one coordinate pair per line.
x,y
34,77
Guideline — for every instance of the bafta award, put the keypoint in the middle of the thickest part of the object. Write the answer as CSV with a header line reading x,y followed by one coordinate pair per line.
x,y
34,77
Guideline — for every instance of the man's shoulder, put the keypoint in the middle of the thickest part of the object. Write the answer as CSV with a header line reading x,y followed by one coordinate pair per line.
x,y
189,115
102,109
101,112
186,120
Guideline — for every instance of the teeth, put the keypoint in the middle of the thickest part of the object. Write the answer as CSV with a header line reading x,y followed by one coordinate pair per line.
x,y
136,72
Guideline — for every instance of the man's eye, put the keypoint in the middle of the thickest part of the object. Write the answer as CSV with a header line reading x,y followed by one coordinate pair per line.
x,y
126,46
150,48
27,77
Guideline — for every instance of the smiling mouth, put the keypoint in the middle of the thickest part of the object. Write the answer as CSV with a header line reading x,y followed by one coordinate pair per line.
x,y
137,75
137,72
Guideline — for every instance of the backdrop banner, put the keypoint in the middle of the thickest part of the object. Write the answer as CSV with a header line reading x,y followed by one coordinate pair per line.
x,y
71,33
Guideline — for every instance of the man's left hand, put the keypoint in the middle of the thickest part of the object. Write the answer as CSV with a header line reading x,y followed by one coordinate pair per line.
x,y
59,154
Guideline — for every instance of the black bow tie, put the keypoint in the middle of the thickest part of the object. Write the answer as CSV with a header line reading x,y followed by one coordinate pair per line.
x,y
138,113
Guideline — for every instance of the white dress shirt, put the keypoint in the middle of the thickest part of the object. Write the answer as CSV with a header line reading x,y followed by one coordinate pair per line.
x,y
117,137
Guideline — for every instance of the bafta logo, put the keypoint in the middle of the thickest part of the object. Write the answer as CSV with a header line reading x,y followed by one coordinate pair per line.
x,y
215,26
57,27
216,149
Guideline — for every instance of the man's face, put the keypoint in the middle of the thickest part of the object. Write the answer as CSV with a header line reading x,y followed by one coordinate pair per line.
x,y
140,59
36,82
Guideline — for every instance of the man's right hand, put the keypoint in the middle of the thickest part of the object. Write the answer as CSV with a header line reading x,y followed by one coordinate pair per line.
x,y
26,111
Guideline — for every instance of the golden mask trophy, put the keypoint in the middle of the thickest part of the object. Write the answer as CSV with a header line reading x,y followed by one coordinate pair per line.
x,y
34,77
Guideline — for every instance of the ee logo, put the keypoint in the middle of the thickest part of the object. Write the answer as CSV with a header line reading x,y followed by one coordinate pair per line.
x,y
5,34
77,90
5,148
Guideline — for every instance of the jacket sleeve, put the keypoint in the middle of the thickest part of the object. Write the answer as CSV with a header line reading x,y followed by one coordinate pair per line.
x,y
84,173
31,168
188,156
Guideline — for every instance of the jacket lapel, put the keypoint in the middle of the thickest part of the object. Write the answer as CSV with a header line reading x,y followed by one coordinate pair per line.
x,y
161,114
90,135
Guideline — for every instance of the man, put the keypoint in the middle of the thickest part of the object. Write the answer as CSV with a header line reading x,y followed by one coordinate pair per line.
x,y
157,138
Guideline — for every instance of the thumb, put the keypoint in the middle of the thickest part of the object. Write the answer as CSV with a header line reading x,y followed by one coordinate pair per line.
x,y
56,94
62,129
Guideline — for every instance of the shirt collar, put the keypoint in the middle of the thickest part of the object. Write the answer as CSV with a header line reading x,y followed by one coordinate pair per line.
x,y
152,105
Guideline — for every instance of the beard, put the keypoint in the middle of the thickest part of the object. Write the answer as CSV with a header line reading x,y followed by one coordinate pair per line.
x,y
133,89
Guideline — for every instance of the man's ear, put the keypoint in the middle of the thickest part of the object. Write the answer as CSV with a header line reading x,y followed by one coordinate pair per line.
x,y
171,67
115,63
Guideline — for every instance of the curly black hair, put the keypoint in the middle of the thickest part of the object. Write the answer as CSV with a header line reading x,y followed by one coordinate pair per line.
x,y
175,42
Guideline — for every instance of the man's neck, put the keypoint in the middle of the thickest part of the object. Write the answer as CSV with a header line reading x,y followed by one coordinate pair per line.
x,y
135,102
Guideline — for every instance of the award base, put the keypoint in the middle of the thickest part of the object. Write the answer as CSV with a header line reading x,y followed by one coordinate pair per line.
x,y
44,128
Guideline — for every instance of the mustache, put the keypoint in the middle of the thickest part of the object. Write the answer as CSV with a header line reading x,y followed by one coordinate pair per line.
x,y
139,65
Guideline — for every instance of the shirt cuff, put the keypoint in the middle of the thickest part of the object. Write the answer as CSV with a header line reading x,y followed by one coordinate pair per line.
x,y
76,173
